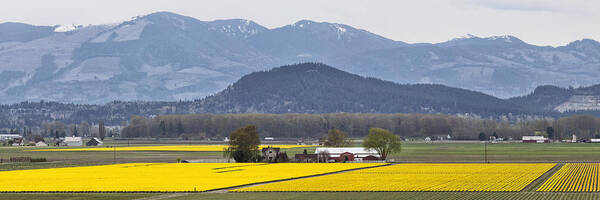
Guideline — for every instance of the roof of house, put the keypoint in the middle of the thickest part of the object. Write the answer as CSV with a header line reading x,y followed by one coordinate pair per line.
x,y
97,140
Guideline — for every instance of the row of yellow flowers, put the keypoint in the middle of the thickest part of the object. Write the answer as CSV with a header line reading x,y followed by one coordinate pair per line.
x,y
160,177
419,177
574,177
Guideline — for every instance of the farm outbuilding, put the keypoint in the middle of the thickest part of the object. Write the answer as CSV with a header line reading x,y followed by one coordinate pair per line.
x,y
73,141
9,136
535,139
94,142
308,158
341,154
41,144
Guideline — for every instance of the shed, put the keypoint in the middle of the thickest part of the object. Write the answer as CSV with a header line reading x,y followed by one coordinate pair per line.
x,y
94,142
309,158
41,144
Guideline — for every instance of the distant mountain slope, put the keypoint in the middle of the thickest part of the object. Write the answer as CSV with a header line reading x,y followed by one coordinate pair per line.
x,y
318,88
18,32
165,56
552,99
502,66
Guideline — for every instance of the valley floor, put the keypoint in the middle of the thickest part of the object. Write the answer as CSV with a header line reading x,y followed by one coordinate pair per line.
x,y
411,152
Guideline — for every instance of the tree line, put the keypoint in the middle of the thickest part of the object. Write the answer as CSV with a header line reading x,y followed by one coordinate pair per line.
x,y
202,126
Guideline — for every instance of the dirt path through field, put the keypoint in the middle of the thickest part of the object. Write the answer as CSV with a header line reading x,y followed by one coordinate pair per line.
x,y
224,190
164,196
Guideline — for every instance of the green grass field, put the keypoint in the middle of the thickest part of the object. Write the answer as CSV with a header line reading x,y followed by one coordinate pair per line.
x,y
411,152
501,152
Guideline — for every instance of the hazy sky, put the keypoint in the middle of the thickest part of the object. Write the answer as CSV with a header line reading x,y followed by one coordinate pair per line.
x,y
541,22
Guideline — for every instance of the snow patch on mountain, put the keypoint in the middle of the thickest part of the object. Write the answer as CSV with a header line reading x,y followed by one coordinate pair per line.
x,y
505,38
67,28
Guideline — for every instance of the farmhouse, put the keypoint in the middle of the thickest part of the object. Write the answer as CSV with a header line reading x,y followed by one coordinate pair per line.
x,y
535,139
73,141
342,154
270,153
273,154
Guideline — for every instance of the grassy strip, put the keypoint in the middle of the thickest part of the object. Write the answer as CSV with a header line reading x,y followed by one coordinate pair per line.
x,y
533,186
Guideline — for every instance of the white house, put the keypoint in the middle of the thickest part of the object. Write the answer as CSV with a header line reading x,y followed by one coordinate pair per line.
x,y
73,141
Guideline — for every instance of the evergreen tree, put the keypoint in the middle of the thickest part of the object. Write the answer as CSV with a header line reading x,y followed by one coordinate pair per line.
x,y
180,128
482,136
550,132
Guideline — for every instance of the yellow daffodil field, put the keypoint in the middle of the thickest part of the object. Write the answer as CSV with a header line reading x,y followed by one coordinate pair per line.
x,y
419,177
166,148
160,177
574,177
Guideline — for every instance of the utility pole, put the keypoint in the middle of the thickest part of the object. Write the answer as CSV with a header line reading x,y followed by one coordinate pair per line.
x,y
114,154
485,152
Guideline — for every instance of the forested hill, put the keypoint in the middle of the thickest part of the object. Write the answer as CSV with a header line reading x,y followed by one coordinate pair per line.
x,y
548,99
318,88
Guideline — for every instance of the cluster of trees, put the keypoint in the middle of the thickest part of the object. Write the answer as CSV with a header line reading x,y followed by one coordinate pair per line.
x,y
201,126
243,145
59,129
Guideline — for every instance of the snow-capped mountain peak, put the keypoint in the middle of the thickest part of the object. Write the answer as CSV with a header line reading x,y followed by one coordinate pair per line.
x,y
67,28
237,27
505,38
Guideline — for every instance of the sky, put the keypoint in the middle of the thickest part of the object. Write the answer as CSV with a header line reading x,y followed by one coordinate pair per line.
x,y
539,22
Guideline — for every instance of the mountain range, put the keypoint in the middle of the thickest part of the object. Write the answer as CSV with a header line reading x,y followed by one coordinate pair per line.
x,y
166,57
319,88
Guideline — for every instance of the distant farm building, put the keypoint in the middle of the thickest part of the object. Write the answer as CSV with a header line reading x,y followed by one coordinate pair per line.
x,y
269,138
273,154
41,144
73,141
535,139
595,140
270,153
307,158
4,137
343,154
94,142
